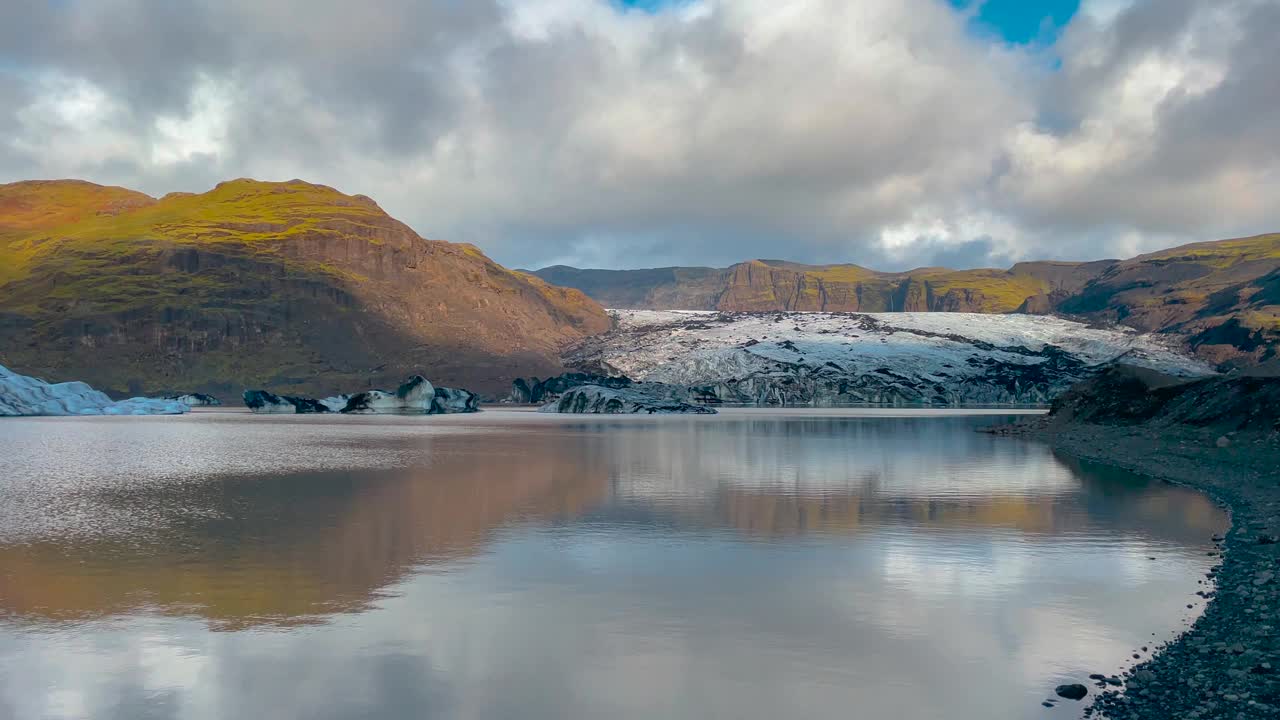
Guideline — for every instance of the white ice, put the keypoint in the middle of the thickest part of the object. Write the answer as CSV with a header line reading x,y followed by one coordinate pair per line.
x,y
23,395
656,345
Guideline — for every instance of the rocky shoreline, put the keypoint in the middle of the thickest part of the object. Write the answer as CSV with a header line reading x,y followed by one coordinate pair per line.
x,y
1226,665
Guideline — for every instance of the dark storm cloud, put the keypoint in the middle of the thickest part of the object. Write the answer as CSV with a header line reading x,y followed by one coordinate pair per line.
x,y
881,132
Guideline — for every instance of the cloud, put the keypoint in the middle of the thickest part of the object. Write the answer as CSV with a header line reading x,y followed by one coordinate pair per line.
x,y
884,132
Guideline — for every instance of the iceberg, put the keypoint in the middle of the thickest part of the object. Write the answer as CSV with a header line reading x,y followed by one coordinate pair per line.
x,y
638,399
535,391
455,400
21,395
261,401
195,400
416,396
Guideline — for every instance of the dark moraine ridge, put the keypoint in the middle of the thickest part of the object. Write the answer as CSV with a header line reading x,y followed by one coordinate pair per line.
x,y
1221,436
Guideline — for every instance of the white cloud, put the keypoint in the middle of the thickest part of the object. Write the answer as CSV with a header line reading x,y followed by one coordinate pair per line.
x,y
1104,12
202,130
883,132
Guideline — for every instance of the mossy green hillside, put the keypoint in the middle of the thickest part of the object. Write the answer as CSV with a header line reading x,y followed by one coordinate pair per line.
x,y
290,286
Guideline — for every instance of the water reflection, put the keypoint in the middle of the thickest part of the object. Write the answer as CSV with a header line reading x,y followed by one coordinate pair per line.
x,y
269,549
508,565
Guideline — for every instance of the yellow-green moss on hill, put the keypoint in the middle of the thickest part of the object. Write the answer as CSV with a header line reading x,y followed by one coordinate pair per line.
x,y
292,286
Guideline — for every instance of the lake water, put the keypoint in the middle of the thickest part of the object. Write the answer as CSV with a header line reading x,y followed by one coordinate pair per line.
x,y
755,564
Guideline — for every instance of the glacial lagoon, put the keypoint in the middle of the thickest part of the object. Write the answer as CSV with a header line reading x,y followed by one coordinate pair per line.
x,y
753,564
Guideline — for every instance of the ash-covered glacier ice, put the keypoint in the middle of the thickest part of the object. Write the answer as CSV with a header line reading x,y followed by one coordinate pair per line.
x,y
936,359
637,399
417,396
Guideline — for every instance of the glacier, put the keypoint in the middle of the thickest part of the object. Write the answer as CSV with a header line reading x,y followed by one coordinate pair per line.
x,y
23,395
816,358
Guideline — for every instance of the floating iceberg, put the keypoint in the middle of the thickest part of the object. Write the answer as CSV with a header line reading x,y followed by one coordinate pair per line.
x,y
639,399
22,395
416,396
195,400
261,401
455,400
535,391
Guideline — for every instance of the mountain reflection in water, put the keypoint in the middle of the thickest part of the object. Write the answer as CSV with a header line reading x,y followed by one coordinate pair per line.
x,y
910,543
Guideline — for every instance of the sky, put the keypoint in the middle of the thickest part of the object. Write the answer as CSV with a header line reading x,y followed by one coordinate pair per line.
x,y
641,133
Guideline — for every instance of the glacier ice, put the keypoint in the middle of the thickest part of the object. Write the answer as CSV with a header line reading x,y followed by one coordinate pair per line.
x,y
812,358
23,395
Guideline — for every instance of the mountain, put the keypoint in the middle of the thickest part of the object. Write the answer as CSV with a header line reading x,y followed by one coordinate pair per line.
x,y
1222,298
289,286
769,285
671,288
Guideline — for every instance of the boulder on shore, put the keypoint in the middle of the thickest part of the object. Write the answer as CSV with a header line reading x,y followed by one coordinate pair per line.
x,y
417,396
1074,691
21,395
638,399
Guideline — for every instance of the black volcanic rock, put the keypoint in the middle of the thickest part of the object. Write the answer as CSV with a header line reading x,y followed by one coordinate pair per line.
x,y
1074,691
1124,395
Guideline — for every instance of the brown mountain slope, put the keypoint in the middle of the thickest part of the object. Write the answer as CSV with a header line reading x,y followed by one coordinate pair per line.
x,y
289,286
1223,296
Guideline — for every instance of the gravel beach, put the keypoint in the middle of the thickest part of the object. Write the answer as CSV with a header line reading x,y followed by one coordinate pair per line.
x,y
1227,665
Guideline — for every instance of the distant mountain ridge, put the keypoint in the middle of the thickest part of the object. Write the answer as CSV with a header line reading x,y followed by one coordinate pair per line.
x,y
769,285
1222,298
288,286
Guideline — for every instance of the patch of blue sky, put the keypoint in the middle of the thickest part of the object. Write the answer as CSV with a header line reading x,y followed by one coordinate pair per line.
x,y
1013,21
649,5
1019,21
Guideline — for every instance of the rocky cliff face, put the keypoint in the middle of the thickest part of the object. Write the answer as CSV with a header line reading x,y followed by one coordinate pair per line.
x,y
291,286
767,285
